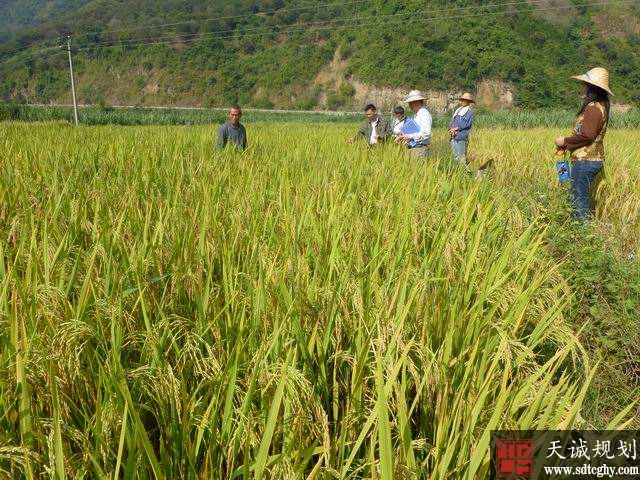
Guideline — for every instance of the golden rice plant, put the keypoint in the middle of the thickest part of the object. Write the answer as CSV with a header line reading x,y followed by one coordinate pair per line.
x,y
305,309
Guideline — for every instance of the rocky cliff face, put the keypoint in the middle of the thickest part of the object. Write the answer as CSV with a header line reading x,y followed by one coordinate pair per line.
x,y
491,94
495,94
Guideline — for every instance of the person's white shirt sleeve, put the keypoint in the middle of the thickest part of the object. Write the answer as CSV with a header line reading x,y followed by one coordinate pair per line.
x,y
374,132
397,126
423,119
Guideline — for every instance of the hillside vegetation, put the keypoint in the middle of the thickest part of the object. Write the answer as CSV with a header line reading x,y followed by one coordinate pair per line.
x,y
278,52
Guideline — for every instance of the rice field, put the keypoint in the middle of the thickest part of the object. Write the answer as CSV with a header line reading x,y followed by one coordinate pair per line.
x,y
305,309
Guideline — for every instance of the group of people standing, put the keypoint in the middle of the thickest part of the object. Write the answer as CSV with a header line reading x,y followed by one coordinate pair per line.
x,y
586,144
416,132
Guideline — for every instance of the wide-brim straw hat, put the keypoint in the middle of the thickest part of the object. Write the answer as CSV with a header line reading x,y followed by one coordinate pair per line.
x,y
467,96
597,76
415,96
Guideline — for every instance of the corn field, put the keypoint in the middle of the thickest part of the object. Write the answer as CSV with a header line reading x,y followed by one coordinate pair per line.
x,y
305,309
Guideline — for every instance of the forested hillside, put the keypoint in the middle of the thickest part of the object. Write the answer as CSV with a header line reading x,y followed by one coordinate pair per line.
x,y
305,54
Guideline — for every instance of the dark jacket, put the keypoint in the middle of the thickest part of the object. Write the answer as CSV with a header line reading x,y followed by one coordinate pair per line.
x,y
228,134
383,129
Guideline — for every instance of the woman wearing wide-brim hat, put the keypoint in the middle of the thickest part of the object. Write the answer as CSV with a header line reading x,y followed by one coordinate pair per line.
x,y
460,128
587,142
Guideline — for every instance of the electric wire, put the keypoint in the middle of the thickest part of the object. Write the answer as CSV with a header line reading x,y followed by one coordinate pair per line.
x,y
323,25
473,8
349,25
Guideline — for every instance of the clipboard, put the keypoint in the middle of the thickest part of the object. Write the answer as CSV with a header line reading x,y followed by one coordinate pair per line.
x,y
410,126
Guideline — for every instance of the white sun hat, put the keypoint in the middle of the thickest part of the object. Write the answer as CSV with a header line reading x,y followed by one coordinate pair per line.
x,y
415,96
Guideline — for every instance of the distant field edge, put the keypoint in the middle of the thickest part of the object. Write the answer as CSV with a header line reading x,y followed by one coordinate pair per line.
x,y
165,115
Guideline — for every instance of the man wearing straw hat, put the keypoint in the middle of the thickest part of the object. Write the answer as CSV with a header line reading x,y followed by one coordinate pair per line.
x,y
417,142
460,127
587,142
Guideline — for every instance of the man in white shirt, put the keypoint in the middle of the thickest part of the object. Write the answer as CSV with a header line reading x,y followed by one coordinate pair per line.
x,y
374,129
418,142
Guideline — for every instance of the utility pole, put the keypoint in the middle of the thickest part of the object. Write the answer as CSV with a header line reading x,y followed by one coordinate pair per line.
x,y
73,82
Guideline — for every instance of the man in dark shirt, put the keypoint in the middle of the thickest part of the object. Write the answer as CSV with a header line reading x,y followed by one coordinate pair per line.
x,y
232,131
374,129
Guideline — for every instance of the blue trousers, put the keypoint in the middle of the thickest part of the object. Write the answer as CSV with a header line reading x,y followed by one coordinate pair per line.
x,y
583,173
459,149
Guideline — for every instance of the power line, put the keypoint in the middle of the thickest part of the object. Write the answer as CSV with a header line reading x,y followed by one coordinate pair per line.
x,y
322,24
28,56
26,49
229,17
29,51
339,23
331,23
301,8
186,36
